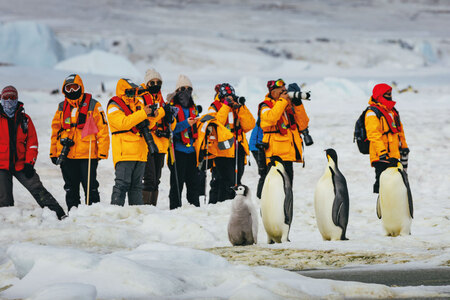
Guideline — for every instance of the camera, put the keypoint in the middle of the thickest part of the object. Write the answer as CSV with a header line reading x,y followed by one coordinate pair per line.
x,y
154,107
135,91
145,132
306,137
67,143
300,95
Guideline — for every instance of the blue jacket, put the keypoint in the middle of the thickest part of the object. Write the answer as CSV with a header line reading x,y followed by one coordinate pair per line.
x,y
178,143
256,137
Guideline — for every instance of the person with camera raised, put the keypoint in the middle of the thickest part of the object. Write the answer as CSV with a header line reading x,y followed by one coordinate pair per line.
x,y
131,140
230,111
70,149
18,153
283,118
183,169
160,132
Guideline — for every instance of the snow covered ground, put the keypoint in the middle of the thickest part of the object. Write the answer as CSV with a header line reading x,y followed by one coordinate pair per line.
x,y
339,50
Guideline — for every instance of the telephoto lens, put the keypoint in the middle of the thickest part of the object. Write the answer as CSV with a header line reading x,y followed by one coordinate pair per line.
x,y
307,138
300,95
67,143
145,132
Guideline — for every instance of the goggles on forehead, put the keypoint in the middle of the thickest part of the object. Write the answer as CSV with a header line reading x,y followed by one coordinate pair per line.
x,y
154,82
273,84
71,87
184,88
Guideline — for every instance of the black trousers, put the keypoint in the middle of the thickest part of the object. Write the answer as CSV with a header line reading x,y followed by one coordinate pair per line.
x,y
185,170
379,168
33,185
224,176
152,174
128,181
75,171
260,158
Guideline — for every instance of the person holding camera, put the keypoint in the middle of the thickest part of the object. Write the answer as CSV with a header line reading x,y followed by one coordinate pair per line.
x,y
18,153
385,133
131,140
68,147
257,148
230,111
161,134
183,169
282,120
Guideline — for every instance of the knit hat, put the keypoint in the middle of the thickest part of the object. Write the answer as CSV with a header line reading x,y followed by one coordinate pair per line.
x,y
183,80
152,74
226,90
10,93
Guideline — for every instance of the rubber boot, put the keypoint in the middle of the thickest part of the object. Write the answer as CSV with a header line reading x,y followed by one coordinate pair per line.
x,y
146,197
154,197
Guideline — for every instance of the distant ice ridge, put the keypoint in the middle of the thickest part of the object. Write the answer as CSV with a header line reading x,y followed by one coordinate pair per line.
x,y
27,43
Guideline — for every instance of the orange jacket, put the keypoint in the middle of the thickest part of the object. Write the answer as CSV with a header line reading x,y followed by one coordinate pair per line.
x,y
228,117
289,146
382,140
80,150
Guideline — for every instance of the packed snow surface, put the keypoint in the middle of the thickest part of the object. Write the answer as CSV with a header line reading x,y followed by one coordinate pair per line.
x,y
337,50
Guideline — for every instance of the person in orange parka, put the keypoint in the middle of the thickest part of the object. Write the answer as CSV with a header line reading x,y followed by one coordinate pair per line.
x,y
282,121
18,153
161,134
69,150
230,111
386,135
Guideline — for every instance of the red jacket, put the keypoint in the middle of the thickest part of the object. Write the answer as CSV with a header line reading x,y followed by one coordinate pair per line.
x,y
18,140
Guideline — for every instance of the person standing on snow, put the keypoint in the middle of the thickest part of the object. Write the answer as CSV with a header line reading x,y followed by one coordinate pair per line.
x,y
184,169
282,121
18,153
257,148
129,122
69,149
230,111
386,135
161,134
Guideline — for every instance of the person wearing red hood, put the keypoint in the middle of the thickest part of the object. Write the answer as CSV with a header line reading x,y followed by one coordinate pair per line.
x,y
18,153
386,135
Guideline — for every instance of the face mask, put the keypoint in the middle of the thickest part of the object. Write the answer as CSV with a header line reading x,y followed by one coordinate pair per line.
x,y
389,104
73,95
154,89
9,107
184,97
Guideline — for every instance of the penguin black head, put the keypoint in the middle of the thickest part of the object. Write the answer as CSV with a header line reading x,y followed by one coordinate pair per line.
x,y
273,160
241,189
332,154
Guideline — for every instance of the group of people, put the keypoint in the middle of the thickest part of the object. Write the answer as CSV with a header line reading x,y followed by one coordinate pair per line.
x,y
144,128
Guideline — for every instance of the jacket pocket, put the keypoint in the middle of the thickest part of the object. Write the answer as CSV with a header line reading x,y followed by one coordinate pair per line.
x,y
131,145
281,145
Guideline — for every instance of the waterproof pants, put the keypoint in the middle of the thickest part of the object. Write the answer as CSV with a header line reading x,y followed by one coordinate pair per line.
x,y
186,168
224,176
379,168
260,158
128,181
75,171
33,185
152,174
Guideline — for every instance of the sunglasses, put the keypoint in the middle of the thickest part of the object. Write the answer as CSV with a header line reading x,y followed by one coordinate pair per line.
x,y
183,88
153,83
9,97
71,87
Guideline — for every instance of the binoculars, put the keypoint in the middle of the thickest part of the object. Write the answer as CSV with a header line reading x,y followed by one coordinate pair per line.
x,y
67,143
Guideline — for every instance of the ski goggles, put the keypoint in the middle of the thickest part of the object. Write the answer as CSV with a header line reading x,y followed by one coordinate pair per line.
x,y
273,84
154,83
184,88
9,96
71,87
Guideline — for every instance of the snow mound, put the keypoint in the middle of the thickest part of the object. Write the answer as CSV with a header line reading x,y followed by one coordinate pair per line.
x,y
66,291
101,63
27,43
337,89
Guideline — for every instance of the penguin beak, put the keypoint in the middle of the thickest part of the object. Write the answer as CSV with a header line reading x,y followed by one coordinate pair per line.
x,y
234,188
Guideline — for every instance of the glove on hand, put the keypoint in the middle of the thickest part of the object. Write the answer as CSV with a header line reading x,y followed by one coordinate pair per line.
x,y
404,151
295,93
28,170
170,113
54,159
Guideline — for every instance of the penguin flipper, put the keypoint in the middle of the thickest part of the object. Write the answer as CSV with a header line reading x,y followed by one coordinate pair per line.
x,y
408,189
288,199
341,200
378,207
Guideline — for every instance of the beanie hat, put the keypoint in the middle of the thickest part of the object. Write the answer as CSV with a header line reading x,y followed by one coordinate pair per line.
x,y
183,80
10,93
152,74
226,90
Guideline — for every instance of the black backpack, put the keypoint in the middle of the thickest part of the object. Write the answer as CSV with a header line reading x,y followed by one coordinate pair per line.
x,y
360,134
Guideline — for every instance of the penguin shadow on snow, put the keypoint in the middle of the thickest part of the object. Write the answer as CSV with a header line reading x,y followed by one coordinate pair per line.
x,y
277,202
331,201
395,203
243,223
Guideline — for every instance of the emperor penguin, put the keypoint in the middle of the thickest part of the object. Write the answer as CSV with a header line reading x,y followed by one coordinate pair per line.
x,y
243,224
277,202
395,204
331,201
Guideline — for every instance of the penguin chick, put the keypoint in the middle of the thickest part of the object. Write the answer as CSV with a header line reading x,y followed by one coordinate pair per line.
x,y
243,224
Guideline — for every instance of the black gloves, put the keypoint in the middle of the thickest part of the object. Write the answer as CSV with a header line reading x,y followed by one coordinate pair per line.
x,y
171,113
28,169
54,159
294,93
404,151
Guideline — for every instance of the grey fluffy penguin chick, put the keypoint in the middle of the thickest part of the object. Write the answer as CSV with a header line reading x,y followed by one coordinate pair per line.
x,y
243,224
